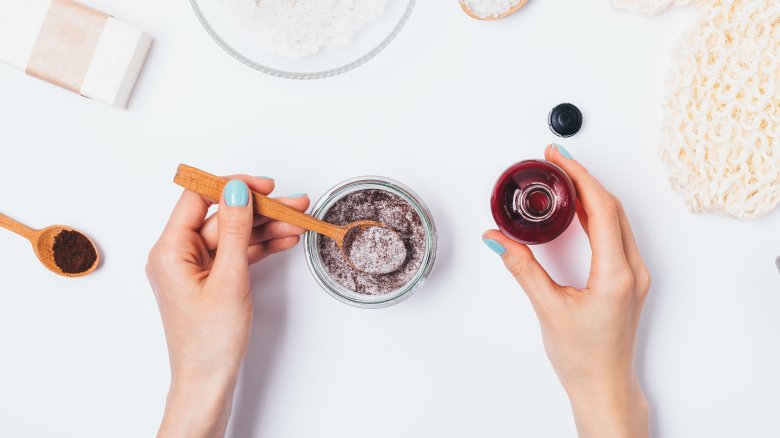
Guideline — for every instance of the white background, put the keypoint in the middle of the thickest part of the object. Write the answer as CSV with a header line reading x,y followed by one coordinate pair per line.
x,y
444,109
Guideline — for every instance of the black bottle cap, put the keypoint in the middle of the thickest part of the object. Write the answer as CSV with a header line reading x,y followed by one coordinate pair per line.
x,y
565,120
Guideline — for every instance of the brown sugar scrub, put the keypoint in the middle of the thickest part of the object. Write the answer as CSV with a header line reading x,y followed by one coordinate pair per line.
x,y
73,252
391,210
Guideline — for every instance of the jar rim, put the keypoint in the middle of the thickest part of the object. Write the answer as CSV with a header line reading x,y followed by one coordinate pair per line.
x,y
335,289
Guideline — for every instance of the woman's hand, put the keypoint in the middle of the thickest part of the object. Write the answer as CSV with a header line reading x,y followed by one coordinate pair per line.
x,y
590,334
199,270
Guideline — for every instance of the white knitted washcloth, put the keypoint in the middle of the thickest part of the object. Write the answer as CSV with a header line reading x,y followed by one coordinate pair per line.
x,y
721,130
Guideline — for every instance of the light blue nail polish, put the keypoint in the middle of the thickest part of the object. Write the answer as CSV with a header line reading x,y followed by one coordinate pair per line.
x,y
495,246
236,193
297,195
563,151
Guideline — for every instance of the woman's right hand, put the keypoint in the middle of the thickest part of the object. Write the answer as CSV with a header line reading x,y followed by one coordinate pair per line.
x,y
590,334
199,271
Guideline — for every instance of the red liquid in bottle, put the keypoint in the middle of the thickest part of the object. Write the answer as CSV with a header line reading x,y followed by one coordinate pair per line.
x,y
533,201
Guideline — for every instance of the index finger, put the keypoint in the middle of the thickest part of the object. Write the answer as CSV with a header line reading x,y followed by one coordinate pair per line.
x,y
191,209
606,241
189,213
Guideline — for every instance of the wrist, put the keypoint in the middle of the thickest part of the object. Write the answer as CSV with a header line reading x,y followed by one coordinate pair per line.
x,y
197,408
611,409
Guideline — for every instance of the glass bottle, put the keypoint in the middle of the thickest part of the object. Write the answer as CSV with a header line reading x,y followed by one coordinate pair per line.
x,y
533,201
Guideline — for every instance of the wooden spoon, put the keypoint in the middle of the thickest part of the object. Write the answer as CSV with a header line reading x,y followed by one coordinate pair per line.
x,y
504,14
43,244
211,187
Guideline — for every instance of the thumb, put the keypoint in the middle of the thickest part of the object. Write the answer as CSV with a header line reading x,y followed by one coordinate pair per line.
x,y
521,263
234,220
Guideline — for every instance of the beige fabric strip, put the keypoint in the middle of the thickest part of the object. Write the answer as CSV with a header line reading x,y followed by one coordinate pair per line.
x,y
66,43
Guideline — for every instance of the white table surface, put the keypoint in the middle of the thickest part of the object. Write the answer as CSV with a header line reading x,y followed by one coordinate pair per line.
x,y
444,109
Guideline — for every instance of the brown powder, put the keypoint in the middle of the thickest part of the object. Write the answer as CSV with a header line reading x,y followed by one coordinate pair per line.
x,y
73,252
389,209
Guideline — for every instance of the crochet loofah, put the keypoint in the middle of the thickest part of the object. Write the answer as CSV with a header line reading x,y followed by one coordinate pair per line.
x,y
721,131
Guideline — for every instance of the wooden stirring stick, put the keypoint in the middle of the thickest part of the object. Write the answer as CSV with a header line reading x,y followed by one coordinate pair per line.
x,y
212,186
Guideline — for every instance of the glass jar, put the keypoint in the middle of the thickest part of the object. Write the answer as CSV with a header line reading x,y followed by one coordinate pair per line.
x,y
341,293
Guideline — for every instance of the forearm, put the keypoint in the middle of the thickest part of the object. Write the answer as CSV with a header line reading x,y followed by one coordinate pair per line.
x,y
611,411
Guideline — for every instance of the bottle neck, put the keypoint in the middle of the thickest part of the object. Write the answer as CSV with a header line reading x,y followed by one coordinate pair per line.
x,y
536,202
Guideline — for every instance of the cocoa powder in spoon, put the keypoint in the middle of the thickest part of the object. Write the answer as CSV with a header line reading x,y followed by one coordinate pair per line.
x,y
73,252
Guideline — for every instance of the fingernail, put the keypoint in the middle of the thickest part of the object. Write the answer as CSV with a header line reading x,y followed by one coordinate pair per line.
x,y
297,195
563,151
495,246
236,193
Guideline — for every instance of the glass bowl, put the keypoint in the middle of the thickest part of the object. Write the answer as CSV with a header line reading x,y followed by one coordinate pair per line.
x,y
223,25
340,292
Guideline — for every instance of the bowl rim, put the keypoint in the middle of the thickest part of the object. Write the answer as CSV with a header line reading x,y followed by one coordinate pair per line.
x,y
302,75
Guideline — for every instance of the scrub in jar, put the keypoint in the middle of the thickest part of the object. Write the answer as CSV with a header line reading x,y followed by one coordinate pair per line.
x,y
389,209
